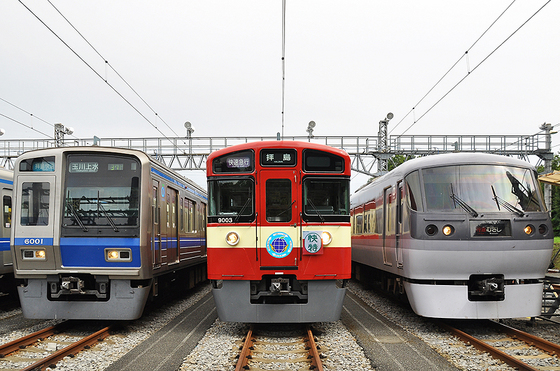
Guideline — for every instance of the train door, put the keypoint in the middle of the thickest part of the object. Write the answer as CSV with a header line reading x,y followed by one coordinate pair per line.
x,y
386,225
35,212
172,225
399,224
156,226
278,219
6,227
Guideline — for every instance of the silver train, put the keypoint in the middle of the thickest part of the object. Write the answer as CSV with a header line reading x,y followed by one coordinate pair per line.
x,y
6,266
462,235
96,231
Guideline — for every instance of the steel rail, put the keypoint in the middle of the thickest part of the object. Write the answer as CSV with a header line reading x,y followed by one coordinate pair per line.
x,y
535,341
72,349
245,355
480,345
313,358
314,351
21,343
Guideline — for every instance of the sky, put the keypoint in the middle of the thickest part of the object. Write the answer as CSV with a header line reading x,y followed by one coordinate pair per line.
x,y
218,64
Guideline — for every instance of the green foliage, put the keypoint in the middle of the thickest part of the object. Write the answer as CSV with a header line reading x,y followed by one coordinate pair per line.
x,y
397,160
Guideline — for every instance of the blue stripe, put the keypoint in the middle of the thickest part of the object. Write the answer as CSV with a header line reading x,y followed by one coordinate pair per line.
x,y
90,252
176,182
4,244
6,181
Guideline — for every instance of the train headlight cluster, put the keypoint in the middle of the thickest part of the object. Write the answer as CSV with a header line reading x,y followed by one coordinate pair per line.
x,y
432,230
34,254
118,255
232,238
326,237
529,230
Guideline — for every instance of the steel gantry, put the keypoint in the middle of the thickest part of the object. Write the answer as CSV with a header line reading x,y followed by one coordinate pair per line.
x,y
190,153
182,153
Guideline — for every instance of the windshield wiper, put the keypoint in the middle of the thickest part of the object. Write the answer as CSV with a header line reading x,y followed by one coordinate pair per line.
x,y
242,210
76,217
317,211
524,195
506,205
100,207
289,208
463,204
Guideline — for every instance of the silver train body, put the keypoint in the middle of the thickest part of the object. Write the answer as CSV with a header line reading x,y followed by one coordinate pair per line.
x,y
6,187
96,231
465,236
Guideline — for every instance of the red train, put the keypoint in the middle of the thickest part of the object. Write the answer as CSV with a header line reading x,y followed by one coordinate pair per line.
x,y
279,231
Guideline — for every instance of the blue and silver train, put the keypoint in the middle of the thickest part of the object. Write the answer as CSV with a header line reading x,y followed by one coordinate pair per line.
x,y
96,231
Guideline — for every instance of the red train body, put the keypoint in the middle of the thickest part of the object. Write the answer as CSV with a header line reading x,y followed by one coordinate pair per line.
x,y
279,231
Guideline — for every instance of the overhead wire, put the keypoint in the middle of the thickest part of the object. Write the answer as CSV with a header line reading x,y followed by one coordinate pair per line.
x,y
27,126
110,66
32,116
470,71
283,60
99,75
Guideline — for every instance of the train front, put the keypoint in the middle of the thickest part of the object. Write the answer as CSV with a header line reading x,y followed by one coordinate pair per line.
x,y
279,232
77,240
481,240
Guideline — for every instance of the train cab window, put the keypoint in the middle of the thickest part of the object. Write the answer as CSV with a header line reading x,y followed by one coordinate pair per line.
x,y
7,211
35,203
326,199
413,191
102,193
231,200
319,161
279,200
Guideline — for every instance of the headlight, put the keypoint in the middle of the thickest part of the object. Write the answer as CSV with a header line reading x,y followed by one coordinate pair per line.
x,y
326,237
431,230
118,255
529,230
232,238
34,255
448,230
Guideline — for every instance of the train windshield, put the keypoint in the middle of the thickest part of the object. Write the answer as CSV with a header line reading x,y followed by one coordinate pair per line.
x,y
326,199
101,192
232,199
481,188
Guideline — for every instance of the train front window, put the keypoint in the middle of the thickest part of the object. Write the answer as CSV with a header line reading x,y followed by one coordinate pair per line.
x,y
35,203
481,188
326,199
231,200
101,192
279,200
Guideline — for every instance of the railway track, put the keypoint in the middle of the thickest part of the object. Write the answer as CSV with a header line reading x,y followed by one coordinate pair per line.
x,y
281,351
518,349
46,347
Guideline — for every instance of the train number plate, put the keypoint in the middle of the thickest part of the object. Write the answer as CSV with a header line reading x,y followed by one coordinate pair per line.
x,y
494,228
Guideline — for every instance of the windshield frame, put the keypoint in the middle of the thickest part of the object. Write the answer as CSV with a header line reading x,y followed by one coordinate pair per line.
x,y
115,182
244,207
313,211
477,185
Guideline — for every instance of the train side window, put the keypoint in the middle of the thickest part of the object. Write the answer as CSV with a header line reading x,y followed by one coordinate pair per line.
x,y
7,207
413,189
35,203
359,223
278,200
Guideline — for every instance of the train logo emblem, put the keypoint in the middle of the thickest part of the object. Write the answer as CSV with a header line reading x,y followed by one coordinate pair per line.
x,y
279,245
312,243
